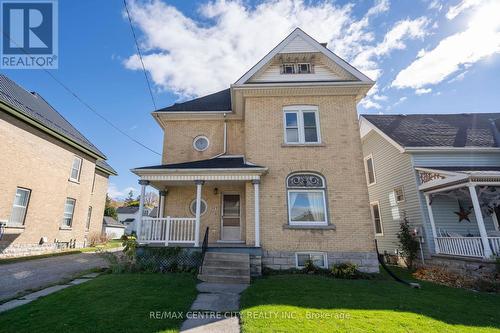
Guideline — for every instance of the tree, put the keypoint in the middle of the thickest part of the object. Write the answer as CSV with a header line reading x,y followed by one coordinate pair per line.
x,y
129,198
151,199
409,243
109,210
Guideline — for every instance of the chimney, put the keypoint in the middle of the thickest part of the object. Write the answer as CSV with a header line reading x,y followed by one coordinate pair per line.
x,y
324,44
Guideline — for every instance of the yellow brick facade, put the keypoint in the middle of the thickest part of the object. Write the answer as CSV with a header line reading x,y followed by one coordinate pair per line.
x,y
32,159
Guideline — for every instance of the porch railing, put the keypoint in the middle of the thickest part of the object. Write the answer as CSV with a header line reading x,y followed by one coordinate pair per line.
x,y
466,246
167,230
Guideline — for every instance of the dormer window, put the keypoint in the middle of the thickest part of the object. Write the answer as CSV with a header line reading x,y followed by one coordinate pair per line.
x,y
288,68
304,68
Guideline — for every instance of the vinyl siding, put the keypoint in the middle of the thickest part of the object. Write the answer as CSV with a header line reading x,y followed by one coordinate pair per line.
x,y
392,169
456,159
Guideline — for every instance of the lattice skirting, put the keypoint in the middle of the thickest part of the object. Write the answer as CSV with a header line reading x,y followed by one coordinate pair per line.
x,y
164,259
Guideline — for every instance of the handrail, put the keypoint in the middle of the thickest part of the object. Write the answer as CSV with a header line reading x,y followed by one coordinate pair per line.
x,y
204,246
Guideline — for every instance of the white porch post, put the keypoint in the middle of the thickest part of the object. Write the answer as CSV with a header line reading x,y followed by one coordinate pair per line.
x,y
161,208
143,184
256,183
198,183
480,222
433,225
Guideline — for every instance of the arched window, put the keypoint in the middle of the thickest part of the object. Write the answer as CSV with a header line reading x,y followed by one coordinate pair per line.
x,y
306,199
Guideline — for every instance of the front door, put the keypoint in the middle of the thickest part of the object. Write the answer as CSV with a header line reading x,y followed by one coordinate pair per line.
x,y
231,219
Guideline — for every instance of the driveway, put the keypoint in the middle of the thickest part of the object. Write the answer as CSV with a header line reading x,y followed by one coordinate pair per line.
x,y
34,274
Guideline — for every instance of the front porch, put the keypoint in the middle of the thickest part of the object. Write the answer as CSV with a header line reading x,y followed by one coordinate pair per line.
x,y
463,212
198,204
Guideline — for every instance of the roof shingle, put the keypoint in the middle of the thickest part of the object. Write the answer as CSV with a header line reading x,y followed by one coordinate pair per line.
x,y
219,101
213,163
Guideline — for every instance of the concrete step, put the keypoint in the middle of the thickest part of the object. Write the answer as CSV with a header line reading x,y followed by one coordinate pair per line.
x,y
225,263
224,278
224,270
227,256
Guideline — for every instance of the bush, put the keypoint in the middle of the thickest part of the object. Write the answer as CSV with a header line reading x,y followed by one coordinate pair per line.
x,y
345,271
409,243
97,238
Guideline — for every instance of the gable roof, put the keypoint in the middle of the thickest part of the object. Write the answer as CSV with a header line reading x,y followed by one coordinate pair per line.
x,y
219,101
127,210
33,106
108,221
212,163
104,166
318,47
440,130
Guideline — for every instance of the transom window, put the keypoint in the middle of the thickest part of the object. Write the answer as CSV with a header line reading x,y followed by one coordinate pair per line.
x,y
301,124
20,206
399,194
200,143
203,207
69,209
318,259
75,169
370,170
377,219
306,199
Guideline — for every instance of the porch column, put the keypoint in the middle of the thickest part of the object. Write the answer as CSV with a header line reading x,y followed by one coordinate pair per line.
x,y
198,183
480,222
433,225
256,183
161,206
143,184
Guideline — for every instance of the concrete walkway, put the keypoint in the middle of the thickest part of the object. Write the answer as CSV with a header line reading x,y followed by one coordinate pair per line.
x,y
33,274
44,292
215,309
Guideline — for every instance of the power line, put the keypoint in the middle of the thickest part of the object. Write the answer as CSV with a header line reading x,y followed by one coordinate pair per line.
x,y
140,54
88,106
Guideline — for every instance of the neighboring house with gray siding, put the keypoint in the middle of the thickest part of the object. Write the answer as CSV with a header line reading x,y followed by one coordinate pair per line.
x,y
440,171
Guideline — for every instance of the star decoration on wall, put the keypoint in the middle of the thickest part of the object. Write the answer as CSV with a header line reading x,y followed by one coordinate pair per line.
x,y
463,214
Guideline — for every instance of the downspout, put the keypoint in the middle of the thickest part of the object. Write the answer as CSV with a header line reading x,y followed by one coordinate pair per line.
x,y
225,139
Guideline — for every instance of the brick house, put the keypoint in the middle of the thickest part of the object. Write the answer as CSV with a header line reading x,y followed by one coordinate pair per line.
x,y
271,167
53,180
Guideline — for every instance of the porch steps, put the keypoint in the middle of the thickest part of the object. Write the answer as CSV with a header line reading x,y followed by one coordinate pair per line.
x,y
222,267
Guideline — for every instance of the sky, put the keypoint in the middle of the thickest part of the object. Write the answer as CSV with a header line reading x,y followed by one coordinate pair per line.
x,y
427,56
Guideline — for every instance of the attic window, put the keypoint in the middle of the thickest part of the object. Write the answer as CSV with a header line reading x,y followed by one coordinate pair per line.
x,y
288,68
304,68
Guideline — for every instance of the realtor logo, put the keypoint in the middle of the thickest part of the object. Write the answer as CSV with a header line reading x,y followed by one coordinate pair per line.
x,y
29,34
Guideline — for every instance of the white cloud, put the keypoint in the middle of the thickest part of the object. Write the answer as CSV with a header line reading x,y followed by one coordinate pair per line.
x,y
193,57
456,10
480,40
401,100
435,4
116,193
459,77
367,103
423,91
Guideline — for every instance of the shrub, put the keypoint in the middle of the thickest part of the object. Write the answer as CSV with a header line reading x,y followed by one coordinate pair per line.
x,y
409,243
345,271
97,238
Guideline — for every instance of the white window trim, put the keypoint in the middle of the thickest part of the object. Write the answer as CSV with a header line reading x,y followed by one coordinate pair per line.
x,y
64,225
324,254
373,203
299,110
365,160
304,63
291,64
402,190
200,137
88,221
9,222
76,180
201,213
307,223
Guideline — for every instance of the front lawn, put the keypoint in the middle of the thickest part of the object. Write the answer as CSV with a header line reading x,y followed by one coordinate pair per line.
x,y
301,303
109,303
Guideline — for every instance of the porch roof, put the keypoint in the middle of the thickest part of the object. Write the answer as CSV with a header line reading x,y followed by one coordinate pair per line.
x,y
455,176
229,162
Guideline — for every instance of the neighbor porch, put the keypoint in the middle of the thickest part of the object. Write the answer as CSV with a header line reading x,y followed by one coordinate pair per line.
x,y
463,209
214,201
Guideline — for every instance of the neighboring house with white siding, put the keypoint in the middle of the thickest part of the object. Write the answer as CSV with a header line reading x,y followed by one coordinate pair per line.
x,y
129,215
443,173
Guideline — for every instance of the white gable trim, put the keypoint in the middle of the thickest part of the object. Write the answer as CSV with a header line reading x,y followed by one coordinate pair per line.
x,y
368,127
320,48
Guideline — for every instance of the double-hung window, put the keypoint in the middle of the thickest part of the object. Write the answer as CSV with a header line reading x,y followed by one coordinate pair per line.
x,y
75,169
20,206
301,124
89,217
306,200
69,209
370,170
377,219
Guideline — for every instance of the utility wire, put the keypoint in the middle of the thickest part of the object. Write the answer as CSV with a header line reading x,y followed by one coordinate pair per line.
x,y
140,54
88,106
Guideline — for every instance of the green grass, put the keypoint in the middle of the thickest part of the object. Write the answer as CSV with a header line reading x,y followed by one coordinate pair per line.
x,y
109,245
301,303
109,303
